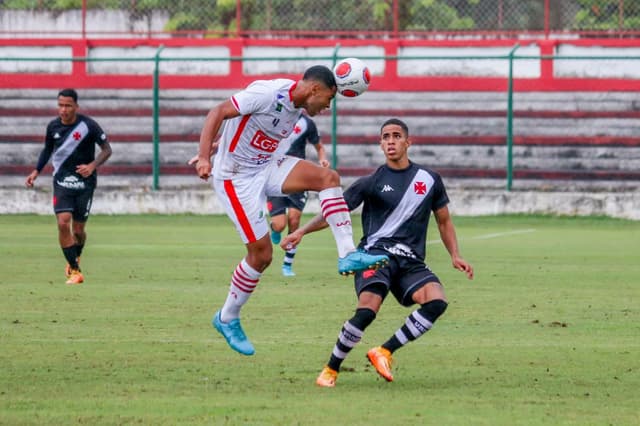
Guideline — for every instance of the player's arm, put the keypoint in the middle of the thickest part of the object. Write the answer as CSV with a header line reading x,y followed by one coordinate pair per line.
x,y
322,154
43,159
448,236
208,145
294,238
86,170
100,139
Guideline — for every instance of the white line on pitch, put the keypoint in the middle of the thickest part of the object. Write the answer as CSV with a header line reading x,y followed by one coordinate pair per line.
x,y
488,236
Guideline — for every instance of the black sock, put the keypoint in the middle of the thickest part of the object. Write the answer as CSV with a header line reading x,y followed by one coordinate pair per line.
x,y
421,320
79,248
350,335
71,254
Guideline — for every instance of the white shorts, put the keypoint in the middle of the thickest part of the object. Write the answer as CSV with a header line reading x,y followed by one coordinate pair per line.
x,y
244,197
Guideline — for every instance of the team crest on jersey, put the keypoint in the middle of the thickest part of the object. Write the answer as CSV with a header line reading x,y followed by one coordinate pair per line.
x,y
420,188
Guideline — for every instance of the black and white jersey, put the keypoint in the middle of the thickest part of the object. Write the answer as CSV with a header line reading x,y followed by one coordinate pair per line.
x,y
304,131
69,146
397,207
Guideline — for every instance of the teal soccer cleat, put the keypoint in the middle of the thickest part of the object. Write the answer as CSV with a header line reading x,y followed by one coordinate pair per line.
x,y
233,333
275,237
360,261
287,271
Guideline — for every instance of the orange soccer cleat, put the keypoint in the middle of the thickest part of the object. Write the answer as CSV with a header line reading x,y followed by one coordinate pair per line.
x,y
381,359
75,277
327,377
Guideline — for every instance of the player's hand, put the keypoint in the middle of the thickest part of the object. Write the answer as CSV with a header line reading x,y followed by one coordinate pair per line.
x,y
325,163
203,167
193,160
85,170
291,241
463,266
32,178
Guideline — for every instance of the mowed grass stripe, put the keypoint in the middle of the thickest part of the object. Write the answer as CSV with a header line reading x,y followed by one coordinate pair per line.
x,y
547,333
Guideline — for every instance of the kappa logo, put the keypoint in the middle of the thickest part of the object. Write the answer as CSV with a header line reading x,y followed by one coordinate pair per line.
x,y
387,188
345,223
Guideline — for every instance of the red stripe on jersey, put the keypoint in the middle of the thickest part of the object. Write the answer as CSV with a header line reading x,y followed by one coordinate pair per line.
x,y
293,86
235,103
239,211
236,137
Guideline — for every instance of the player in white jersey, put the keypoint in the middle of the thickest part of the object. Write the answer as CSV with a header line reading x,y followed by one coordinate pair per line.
x,y
397,200
247,169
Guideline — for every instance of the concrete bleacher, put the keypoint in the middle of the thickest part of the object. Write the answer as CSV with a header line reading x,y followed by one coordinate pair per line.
x,y
566,142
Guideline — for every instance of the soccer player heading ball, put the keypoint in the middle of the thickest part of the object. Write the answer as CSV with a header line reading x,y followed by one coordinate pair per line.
x,y
247,169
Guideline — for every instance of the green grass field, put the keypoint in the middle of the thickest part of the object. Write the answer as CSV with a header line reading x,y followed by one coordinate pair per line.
x,y
547,333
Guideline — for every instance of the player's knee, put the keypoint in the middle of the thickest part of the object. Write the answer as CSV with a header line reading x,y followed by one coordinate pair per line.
x,y
330,178
294,223
433,310
363,318
64,225
277,227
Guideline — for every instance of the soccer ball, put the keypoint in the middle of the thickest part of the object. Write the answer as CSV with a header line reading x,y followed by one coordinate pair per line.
x,y
352,77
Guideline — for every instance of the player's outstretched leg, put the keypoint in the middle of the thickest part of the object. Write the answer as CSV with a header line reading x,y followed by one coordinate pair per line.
x,y
360,261
335,212
234,335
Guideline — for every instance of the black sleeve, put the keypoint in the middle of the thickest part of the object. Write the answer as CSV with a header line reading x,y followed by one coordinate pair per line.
x,y
46,152
99,136
355,194
312,133
440,197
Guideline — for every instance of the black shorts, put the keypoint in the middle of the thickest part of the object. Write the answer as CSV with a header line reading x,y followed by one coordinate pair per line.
x,y
279,205
402,276
76,201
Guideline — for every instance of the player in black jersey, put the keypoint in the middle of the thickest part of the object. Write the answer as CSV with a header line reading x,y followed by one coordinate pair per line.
x,y
286,211
70,143
398,200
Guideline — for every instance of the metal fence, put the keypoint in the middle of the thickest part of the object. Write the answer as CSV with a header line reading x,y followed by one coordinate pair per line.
x,y
506,135
320,18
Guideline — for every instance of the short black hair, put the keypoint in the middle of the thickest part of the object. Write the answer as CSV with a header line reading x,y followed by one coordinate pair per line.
x,y
397,122
69,93
322,74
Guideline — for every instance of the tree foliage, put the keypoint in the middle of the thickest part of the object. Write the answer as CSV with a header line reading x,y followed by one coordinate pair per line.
x,y
366,15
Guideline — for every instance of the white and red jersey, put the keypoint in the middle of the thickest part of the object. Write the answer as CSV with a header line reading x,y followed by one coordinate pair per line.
x,y
249,141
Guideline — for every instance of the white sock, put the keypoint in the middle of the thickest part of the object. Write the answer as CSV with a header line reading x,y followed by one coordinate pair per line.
x,y
336,212
243,282
289,255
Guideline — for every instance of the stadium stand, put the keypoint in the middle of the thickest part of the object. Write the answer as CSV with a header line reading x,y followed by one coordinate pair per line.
x,y
562,141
